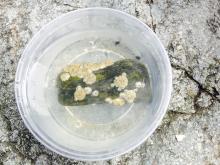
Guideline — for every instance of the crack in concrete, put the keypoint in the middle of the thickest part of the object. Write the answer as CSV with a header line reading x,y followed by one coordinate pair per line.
x,y
74,7
153,25
201,89
149,1
200,86
137,13
174,115
214,22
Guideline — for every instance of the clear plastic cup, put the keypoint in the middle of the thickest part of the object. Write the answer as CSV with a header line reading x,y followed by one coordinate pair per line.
x,y
91,132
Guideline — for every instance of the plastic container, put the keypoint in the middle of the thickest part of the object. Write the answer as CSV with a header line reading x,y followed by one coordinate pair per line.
x,y
92,132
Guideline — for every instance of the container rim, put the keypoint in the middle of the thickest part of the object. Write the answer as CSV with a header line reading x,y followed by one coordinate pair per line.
x,y
92,157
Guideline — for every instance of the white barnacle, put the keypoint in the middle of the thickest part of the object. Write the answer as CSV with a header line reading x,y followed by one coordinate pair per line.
x,y
122,95
112,85
121,81
88,90
128,95
84,71
64,76
89,78
95,93
79,94
108,100
139,84
124,74
118,101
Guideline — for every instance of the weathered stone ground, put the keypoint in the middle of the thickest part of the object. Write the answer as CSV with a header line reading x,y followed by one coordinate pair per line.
x,y
190,32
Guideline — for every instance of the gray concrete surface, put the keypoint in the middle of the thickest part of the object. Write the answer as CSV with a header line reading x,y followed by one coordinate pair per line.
x,y
190,32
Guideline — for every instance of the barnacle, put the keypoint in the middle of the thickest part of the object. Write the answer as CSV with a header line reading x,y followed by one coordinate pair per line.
x,y
121,81
79,93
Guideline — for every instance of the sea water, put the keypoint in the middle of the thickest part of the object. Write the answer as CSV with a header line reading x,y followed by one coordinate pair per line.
x,y
94,121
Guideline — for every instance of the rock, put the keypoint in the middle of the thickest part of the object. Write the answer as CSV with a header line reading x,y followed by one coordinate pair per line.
x,y
42,160
204,100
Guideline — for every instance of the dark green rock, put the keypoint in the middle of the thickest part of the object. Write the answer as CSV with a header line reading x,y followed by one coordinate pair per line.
x,y
135,71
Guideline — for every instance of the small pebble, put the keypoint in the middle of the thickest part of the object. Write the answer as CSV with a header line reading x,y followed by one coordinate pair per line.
x,y
138,57
180,138
117,42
